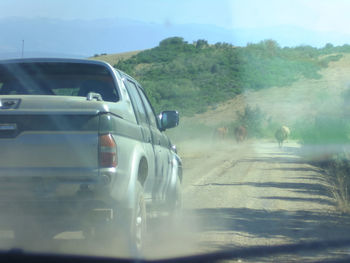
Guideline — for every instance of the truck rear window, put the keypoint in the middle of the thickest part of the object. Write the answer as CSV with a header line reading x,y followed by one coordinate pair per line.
x,y
62,79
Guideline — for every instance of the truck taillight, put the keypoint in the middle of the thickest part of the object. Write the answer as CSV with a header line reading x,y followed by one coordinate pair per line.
x,y
107,151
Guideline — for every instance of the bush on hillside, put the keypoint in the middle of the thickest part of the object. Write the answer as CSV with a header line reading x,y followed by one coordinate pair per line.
x,y
254,119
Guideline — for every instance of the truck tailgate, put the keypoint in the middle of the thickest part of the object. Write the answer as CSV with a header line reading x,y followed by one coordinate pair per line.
x,y
48,141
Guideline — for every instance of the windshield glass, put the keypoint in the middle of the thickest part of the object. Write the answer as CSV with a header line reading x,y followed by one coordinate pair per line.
x,y
260,91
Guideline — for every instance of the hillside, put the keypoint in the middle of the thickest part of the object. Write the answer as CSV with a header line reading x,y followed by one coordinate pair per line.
x,y
196,77
304,98
114,58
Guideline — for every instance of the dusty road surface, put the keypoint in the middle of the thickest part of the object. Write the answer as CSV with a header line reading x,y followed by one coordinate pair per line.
x,y
238,195
234,196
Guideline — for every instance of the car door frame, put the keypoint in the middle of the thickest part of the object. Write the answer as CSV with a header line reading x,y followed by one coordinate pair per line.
x,y
147,137
162,151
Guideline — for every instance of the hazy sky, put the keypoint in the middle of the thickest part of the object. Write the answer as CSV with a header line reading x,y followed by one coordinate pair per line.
x,y
323,15
289,22
159,11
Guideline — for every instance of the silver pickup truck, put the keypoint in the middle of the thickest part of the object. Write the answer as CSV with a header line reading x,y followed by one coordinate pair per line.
x,y
82,149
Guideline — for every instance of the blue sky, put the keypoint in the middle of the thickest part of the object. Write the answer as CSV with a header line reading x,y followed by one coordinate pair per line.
x,y
322,15
157,11
289,22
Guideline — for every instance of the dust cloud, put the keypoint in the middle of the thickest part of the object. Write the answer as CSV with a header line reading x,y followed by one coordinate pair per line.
x,y
167,236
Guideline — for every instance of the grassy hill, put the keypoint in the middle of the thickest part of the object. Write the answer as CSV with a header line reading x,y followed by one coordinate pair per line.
x,y
115,58
287,104
196,77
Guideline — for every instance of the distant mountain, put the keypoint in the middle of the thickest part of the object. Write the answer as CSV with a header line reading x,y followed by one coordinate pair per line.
x,y
84,38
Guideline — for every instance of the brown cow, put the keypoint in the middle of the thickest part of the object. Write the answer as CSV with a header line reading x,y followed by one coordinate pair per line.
x,y
240,133
221,132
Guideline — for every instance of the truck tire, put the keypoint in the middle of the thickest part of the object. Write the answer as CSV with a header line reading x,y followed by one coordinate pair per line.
x,y
127,229
139,223
133,224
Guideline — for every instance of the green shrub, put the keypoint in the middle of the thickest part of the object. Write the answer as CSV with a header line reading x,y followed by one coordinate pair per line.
x,y
323,130
254,120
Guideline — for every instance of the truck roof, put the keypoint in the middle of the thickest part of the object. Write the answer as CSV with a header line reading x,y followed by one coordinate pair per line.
x,y
54,60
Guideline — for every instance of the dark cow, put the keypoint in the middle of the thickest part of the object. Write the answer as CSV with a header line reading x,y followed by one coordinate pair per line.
x,y
240,133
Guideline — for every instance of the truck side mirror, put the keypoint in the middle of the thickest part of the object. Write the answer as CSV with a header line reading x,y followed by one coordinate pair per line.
x,y
168,119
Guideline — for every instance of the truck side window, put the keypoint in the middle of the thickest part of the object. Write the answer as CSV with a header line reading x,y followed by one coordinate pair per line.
x,y
149,109
136,102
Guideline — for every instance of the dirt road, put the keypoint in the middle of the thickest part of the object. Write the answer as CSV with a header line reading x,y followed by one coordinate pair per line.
x,y
238,195
254,193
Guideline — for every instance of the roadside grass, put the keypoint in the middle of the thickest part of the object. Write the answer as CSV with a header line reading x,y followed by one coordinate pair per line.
x,y
325,143
338,169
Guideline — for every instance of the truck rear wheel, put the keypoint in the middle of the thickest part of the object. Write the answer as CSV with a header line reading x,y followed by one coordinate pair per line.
x,y
133,224
127,229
